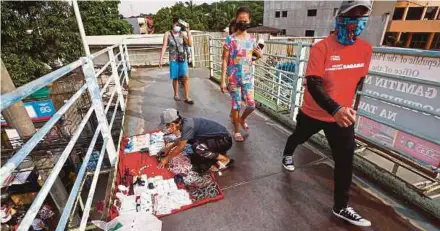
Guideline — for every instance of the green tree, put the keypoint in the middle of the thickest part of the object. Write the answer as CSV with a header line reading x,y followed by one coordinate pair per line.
x,y
102,18
206,17
37,34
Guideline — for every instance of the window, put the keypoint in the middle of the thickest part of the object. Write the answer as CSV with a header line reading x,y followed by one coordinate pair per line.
x,y
283,32
398,13
414,13
277,14
403,38
430,13
311,13
310,33
436,42
335,11
419,40
284,14
390,39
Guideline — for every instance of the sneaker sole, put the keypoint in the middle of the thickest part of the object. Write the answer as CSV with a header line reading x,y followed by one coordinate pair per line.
x,y
291,169
350,221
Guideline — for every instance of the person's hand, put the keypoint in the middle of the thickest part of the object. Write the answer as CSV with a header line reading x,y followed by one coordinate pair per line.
x,y
258,52
160,63
163,162
223,87
345,117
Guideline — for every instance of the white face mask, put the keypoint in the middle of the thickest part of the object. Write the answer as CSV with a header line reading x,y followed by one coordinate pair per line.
x,y
177,28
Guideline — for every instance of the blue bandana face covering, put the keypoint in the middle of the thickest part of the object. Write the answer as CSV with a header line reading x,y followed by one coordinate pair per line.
x,y
348,29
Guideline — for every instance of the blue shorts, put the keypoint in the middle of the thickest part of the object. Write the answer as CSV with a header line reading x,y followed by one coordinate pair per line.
x,y
178,69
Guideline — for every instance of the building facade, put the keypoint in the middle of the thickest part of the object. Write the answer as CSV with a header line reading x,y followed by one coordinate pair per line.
x,y
301,18
410,24
415,24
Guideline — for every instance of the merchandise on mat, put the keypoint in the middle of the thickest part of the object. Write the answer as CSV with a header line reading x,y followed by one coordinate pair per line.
x,y
138,143
131,221
157,143
169,138
209,191
167,202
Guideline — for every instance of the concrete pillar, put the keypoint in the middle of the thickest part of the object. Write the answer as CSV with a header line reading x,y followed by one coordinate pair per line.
x,y
429,41
16,115
408,41
58,191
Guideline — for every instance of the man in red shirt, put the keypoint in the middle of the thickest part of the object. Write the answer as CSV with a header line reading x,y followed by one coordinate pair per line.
x,y
336,68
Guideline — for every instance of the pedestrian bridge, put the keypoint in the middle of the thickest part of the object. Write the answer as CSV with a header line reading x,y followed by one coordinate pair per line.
x,y
259,195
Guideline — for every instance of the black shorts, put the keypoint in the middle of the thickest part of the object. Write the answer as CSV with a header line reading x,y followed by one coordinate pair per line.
x,y
216,144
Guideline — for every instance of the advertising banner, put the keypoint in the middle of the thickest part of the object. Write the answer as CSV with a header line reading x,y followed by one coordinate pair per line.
x,y
407,89
38,110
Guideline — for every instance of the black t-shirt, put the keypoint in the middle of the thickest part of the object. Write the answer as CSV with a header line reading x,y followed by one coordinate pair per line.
x,y
196,128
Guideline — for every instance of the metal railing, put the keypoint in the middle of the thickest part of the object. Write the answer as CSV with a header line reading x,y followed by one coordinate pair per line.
x,y
118,66
282,90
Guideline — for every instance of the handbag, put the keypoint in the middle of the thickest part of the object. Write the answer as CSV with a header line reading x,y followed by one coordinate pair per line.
x,y
180,55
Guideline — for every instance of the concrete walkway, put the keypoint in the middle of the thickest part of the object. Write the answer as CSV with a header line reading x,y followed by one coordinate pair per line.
x,y
259,195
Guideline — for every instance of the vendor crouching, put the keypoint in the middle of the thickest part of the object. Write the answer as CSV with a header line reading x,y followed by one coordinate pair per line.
x,y
209,140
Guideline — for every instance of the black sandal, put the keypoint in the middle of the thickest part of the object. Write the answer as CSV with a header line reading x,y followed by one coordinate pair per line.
x,y
189,101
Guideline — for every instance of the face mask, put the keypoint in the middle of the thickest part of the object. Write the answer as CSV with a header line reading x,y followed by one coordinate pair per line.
x,y
177,28
243,26
348,29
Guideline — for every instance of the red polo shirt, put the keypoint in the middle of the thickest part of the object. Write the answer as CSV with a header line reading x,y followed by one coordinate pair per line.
x,y
341,67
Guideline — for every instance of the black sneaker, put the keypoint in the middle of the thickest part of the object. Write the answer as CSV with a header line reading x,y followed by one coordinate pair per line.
x,y
288,163
352,216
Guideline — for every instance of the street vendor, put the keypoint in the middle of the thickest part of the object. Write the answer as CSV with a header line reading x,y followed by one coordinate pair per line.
x,y
209,140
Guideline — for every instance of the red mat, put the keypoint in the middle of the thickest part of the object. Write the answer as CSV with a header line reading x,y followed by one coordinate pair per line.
x,y
142,163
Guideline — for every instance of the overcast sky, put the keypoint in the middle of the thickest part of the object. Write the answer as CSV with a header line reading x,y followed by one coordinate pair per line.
x,y
132,7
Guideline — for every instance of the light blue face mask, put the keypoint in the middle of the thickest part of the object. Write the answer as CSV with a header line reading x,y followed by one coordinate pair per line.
x,y
347,29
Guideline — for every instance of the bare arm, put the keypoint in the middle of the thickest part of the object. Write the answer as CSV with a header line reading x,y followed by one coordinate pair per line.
x,y
164,47
188,38
224,64
180,146
171,147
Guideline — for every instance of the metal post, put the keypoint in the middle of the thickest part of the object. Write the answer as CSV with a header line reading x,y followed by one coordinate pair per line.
x,y
81,27
127,57
293,109
193,61
115,76
301,65
124,63
211,59
279,89
93,88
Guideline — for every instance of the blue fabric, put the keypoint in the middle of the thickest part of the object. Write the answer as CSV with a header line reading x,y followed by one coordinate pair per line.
x,y
178,69
348,29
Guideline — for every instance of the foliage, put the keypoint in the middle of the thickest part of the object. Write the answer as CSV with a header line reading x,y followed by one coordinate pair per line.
x,y
35,35
102,18
206,17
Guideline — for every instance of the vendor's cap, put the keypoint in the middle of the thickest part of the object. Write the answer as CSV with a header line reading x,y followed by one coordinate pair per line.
x,y
168,116
348,5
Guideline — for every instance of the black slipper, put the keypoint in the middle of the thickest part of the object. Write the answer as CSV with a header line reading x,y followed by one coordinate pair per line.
x,y
189,101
